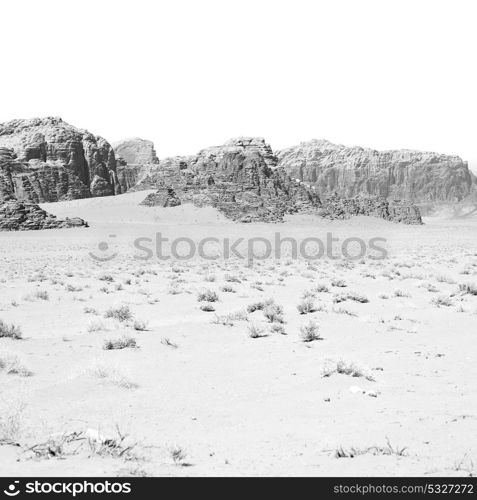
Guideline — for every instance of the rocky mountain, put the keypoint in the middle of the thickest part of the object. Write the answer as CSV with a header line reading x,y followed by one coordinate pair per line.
x,y
25,216
132,156
46,159
240,178
417,176
136,151
244,180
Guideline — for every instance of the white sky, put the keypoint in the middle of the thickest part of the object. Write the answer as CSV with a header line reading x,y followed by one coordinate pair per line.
x,y
191,74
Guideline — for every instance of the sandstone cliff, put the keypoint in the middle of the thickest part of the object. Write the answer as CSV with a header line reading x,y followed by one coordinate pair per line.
x,y
240,178
136,151
46,159
24,216
420,177
244,181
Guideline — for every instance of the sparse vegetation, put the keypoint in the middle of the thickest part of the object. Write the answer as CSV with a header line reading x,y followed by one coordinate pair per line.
x,y
10,364
373,450
10,331
442,301
208,296
121,313
468,288
346,368
310,332
307,306
121,343
208,307
255,331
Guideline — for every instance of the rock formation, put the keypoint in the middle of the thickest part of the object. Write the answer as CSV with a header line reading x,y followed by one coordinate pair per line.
x,y
336,207
240,178
420,177
244,181
133,156
46,159
24,216
164,197
136,151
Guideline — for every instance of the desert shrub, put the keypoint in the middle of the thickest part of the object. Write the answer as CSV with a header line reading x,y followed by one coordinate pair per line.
x,y
259,306
346,368
274,313
11,420
90,310
207,307
121,343
277,328
445,279
310,332
469,288
228,289
10,331
321,288
341,310
401,293
106,277
11,365
231,279
338,283
372,450
356,297
207,296
140,325
121,313
96,326
255,331
308,294
306,306
442,301
177,454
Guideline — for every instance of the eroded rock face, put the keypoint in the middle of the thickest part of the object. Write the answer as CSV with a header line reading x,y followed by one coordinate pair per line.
x,y
243,180
136,151
164,197
46,159
25,216
240,178
420,177
336,207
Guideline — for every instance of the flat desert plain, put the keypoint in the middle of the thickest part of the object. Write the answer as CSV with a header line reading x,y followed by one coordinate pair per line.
x,y
279,366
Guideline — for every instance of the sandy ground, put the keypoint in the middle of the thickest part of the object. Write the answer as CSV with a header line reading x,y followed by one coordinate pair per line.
x,y
389,388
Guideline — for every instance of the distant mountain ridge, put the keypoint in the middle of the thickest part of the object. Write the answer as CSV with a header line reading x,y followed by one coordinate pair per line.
x,y
47,160
418,176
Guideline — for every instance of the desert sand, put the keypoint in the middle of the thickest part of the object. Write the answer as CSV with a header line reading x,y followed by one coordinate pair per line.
x,y
384,384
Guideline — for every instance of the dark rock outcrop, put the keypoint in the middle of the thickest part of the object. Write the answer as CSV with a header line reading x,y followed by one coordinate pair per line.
x,y
164,197
136,151
240,178
336,207
420,177
25,216
46,159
